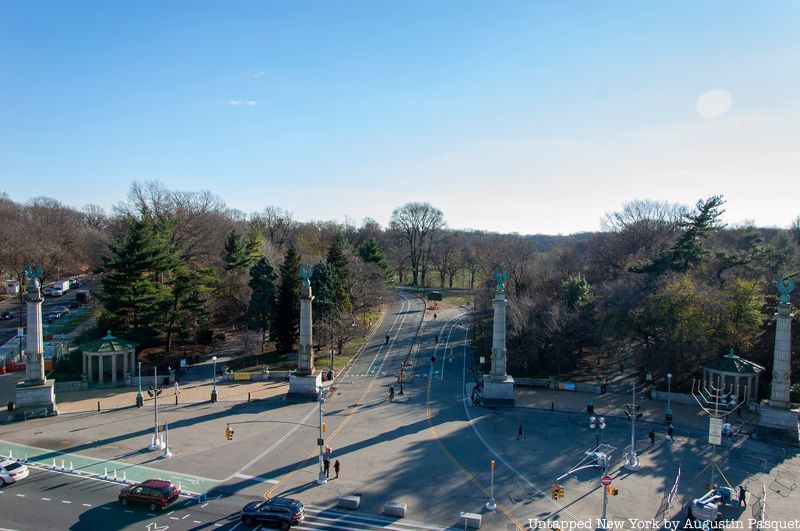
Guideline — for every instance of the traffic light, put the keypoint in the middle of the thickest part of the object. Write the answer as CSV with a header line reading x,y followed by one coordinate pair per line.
x,y
561,491
229,433
629,411
323,427
612,491
554,491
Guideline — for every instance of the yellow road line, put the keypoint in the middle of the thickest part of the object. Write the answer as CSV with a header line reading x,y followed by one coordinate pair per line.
x,y
456,462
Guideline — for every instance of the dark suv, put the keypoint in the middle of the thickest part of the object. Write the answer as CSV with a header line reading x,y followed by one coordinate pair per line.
x,y
277,512
155,493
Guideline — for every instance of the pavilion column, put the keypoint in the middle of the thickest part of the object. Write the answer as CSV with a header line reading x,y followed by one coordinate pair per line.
x,y
84,363
114,368
132,354
89,367
100,369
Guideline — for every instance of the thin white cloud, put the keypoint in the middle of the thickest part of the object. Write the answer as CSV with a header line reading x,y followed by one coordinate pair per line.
x,y
241,103
254,75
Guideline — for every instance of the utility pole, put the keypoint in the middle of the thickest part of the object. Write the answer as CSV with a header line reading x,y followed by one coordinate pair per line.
x,y
631,459
157,444
321,480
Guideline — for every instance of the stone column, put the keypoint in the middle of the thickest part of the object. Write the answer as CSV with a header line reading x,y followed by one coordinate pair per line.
x,y
498,372
779,396
34,347
89,367
305,357
100,369
113,368
84,363
132,354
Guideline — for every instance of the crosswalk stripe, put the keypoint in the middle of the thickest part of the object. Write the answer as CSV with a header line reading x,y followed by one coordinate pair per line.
x,y
331,517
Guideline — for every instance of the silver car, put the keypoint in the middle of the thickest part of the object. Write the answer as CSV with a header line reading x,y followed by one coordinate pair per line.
x,y
12,471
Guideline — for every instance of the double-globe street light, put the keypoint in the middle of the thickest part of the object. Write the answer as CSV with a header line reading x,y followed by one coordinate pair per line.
x,y
599,424
668,412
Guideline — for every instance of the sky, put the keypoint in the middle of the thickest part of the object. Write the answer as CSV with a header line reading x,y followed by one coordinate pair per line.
x,y
509,116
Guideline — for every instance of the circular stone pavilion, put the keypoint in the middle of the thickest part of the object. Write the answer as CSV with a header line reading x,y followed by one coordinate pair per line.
x,y
736,375
109,355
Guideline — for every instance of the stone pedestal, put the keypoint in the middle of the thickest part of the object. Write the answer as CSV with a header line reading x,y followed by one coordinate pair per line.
x,y
35,400
778,425
498,393
304,388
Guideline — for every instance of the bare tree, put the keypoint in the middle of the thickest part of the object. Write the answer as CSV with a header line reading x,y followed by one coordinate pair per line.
x,y
275,224
417,223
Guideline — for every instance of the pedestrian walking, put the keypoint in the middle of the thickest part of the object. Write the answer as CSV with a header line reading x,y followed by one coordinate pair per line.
x,y
387,339
326,463
437,339
520,435
652,436
742,492
336,466
391,393
434,317
670,431
177,388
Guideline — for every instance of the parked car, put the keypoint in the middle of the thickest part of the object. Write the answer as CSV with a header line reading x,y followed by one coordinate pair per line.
x,y
52,316
277,512
5,316
62,310
12,471
75,283
154,493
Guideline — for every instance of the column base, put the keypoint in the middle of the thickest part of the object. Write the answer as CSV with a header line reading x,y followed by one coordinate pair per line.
x,y
304,388
778,424
498,392
35,400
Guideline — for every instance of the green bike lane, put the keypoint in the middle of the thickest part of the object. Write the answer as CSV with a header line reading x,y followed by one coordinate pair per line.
x,y
90,466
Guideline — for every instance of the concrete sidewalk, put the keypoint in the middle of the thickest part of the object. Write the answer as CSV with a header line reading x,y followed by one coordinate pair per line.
x,y
72,402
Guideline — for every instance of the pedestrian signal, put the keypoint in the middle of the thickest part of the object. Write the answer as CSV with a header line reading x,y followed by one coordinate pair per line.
x,y
229,433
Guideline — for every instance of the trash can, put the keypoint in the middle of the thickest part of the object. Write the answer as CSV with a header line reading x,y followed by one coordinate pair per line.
x,y
589,407
11,406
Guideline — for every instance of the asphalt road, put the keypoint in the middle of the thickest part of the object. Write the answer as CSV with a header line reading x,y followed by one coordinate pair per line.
x,y
8,328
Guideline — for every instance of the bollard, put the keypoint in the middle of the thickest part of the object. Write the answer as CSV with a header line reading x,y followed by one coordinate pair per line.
x,y
176,400
179,486
71,468
552,406
54,462
248,397
98,406
124,476
62,465
10,455
115,474
105,472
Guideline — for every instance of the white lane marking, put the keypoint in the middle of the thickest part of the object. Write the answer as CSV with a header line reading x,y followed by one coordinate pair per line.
x,y
174,518
399,327
21,495
196,522
46,499
128,511
206,503
65,501
404,300
185,517
237,525
263,479
87,504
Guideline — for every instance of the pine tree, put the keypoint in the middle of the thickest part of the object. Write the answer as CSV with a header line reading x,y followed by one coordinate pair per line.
x,y
262,308
235,256
134,294
323,286
337,260
185,307
287,316
371,252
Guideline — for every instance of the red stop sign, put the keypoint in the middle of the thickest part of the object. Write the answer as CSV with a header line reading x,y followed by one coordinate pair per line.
x,y
606,481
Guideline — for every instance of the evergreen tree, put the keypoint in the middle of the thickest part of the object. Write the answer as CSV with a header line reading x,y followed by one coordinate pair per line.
x,y
235,256
262,307
287,315
371,252
337,260
185,307
253,243
134,294
323,286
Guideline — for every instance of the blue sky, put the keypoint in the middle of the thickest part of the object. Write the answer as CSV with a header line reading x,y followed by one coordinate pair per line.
x,y
528,116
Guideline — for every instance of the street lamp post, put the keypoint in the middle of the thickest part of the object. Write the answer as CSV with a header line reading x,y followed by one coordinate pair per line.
x,y
321,480
668,412
139,397
158,444
214,385
599,424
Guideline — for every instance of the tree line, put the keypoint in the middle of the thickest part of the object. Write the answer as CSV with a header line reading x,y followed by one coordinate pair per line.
x,y
661,285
